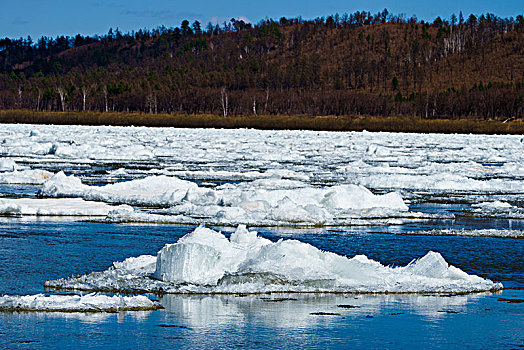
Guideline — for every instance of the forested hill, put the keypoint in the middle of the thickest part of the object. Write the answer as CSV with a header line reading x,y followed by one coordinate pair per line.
x,y
358,64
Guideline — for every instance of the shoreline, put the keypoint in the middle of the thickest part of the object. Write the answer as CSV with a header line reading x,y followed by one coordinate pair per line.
x,y
267,122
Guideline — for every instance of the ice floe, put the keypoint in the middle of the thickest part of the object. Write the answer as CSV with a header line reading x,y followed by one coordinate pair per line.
x,y
7,164
270,201
55,207
493,205
30,177
497,209
93,302
472,233
205,261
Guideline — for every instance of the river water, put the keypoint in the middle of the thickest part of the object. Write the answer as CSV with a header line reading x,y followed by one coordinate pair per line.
x,y
472,187
33,251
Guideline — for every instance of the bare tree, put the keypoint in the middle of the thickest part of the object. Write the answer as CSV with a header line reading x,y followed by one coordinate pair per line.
x,y
149,102
152,103
20,97
104,89
62,95
39,98
224,100
86,91
267,99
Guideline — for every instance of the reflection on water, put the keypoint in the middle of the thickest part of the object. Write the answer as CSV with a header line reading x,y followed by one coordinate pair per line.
x,y
291,310
282,321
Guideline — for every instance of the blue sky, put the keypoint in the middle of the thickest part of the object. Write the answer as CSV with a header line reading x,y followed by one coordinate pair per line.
x,y
68,17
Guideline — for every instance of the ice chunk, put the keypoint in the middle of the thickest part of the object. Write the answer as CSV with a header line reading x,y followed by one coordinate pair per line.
x,y
76,303
212,174
453,162
432,265
359,197
497,209
205,261
140,265
308,216
204,256
120,172
287,210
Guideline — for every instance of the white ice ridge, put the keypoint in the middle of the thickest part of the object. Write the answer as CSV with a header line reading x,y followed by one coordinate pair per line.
x,y
154,190
260,202
440,182
76,303
472,233
56,207
205,261
236,175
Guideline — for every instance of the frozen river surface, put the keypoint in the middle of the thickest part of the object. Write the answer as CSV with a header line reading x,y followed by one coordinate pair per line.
x,y
344,212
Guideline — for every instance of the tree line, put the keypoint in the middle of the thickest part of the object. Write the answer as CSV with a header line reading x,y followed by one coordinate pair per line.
x,y
350,64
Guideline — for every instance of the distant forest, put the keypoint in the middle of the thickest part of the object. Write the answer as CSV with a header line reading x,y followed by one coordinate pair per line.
x,y
351,64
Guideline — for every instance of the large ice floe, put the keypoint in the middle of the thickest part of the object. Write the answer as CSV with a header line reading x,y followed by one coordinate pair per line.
x,y
76,303
270,201
205,261
55,207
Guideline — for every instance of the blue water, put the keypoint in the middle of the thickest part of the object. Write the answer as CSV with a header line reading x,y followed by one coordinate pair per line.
x,y
33,251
